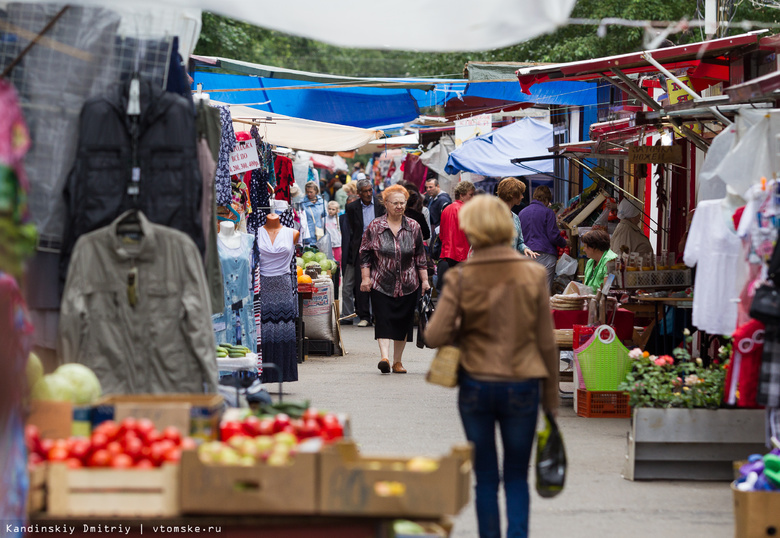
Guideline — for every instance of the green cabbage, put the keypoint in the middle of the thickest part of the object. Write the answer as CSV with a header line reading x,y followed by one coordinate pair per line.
x,y
84,382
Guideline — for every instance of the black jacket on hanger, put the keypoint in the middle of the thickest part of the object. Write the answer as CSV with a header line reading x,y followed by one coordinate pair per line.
x,y
96,191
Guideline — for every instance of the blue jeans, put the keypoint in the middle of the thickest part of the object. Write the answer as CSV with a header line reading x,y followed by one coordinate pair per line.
x,y
514,406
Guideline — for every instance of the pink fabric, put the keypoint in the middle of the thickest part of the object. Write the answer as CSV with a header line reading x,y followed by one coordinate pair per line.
x,y
415,171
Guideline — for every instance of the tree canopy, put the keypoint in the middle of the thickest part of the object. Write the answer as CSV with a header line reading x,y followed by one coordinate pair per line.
x,y
229,38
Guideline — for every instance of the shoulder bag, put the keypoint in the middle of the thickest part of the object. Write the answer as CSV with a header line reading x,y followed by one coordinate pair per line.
x,y
765,306
444,367
550,459
425,311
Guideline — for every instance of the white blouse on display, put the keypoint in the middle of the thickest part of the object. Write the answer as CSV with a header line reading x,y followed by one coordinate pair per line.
x,y
714,247
275,257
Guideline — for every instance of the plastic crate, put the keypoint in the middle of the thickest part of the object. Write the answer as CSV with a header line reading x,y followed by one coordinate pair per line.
x,y
657,279
603,404
319,347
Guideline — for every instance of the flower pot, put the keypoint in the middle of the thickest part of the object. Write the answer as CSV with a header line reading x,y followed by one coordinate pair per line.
x,y
691,444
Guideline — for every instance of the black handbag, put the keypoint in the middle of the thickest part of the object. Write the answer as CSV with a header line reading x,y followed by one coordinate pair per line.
x,y
425,310
765,306
550,459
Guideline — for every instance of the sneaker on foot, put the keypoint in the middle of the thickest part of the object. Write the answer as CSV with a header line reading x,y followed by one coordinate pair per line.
x,y
363,323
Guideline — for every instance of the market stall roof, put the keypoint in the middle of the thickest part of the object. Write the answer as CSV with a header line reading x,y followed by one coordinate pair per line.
x,y
299,133
394,142
267,71
458,26
491,154
357,107
682,56
757,88
461,25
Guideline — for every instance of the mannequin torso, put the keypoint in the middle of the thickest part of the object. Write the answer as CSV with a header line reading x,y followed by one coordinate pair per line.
x,y
228,234
273,225
730,204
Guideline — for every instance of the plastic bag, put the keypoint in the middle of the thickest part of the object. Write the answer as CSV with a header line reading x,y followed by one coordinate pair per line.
x,y
550,459
566,265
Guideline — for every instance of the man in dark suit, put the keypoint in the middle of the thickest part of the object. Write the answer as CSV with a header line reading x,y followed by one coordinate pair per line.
x,y
347,269
360,213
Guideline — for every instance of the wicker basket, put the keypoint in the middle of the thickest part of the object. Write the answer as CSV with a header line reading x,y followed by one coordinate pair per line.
x,y
444,367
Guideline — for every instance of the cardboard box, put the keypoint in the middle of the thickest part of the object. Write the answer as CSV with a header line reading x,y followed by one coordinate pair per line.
x,y
196,415
756,513
352,484
262,489
60,420
113,492
53,419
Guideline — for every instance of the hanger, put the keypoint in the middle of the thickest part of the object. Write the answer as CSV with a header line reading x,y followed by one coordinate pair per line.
x,y
130,224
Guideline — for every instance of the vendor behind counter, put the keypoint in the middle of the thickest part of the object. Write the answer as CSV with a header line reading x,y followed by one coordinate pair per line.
x,y
595,244
628,235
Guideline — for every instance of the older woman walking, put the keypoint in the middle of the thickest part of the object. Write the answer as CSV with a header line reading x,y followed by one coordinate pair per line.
x,y
511,191
313,207
393,269
496,307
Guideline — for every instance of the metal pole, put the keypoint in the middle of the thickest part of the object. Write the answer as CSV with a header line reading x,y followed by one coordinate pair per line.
x,y
687,89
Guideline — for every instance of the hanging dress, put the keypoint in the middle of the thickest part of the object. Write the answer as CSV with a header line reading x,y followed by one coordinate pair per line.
x,y
279,304
236,324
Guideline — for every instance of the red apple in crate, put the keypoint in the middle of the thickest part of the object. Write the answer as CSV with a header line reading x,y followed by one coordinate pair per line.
x,y
99,441
128,424
144,463
109,428
58,453
134,448
229,429
32,438
266,426
172,434
251,426
99,458
281,421
144,427
80,449
74,463
121,461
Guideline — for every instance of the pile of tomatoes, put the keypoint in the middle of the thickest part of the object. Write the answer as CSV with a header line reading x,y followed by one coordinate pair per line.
x,y
130,443
312,423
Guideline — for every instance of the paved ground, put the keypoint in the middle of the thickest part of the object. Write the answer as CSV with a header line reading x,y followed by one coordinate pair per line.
x,y
404,415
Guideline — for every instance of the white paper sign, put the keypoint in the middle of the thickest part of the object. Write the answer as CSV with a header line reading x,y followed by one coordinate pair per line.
x,y
244,158
472,127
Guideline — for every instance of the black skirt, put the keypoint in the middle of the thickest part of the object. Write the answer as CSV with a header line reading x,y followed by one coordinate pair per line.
x,y
394,316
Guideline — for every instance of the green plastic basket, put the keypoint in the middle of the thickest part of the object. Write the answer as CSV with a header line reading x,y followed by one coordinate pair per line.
x,y
603,360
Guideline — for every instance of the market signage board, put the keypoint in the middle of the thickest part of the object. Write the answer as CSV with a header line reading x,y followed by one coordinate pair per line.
x,y
244,158
472,127
655,154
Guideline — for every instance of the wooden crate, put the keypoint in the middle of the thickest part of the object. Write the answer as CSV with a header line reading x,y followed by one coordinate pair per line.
x,y
113,492
259,489
36,495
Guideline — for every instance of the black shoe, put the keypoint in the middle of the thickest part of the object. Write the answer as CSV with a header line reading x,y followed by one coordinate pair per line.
x,y
384,366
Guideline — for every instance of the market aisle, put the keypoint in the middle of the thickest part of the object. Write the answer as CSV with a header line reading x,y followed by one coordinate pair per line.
x,y
402,414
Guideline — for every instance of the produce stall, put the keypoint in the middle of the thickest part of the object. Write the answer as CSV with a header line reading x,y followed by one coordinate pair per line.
x,y
181,462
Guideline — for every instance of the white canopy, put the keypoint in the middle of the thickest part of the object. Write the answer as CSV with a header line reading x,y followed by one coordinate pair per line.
x,y
301,134
422,25
390,143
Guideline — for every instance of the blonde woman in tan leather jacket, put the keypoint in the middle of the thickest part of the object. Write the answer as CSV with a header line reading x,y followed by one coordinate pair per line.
x,y
495,306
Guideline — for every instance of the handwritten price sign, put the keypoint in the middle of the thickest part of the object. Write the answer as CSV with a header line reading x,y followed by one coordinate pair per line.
x,y
244,158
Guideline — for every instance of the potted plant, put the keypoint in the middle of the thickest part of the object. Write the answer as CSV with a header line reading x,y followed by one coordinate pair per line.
x,y
678,428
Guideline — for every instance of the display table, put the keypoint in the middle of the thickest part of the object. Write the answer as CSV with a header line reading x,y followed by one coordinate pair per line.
x,y
665,344
205,526
623,324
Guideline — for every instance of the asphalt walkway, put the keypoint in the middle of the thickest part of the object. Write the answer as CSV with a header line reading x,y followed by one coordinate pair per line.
x,y
397,414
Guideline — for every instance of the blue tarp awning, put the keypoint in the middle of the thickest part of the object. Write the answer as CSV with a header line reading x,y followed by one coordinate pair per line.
x,y
491,154
357,107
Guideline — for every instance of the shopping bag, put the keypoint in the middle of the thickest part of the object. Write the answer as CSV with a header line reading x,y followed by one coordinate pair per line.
x,y
603,360
425,311
444,367
550,459
566,265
